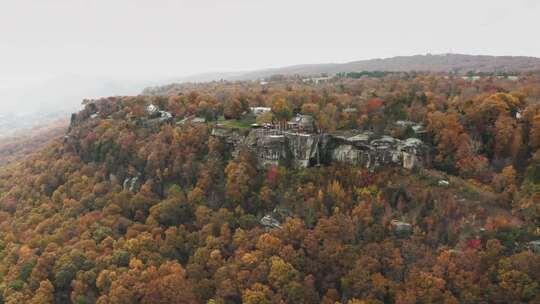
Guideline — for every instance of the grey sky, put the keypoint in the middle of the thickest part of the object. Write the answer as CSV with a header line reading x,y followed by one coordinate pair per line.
x,y
140,40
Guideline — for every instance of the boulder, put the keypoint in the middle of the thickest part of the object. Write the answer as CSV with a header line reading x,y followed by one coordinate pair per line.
x,y
534,246
402,229
133,184
269,221
443,183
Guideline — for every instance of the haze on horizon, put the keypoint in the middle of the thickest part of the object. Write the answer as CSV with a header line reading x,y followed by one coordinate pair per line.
x,y
54,53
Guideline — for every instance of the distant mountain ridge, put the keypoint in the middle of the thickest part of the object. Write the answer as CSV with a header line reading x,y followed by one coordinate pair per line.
x,y
430,63
459,63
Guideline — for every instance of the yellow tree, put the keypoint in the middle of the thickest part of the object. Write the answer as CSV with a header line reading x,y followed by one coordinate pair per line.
x,y
534,134
281,109
44,294
240,178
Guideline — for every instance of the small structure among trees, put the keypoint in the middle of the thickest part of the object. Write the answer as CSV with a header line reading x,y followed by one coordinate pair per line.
x,y
302,123
401,229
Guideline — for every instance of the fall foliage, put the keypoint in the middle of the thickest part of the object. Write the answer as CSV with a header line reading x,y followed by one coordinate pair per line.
x,y
124,211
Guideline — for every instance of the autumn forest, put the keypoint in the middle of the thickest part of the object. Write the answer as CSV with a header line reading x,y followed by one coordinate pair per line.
x,y
140,202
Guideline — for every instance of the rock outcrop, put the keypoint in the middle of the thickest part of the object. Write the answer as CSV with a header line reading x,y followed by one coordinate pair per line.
x,y
534,246
133,184
155,117
269,222
300,150
401,229
364,149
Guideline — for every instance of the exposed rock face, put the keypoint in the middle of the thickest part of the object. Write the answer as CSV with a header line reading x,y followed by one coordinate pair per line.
x,y
443,183
350,154
304,149
412,150
301,150
402,229
133,184
270,222
113,178
191,120
272,150
90,111
156,117
361,149
272,147
231,137
535,247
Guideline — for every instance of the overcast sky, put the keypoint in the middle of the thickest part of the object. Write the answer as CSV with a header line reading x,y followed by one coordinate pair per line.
x,y
138,40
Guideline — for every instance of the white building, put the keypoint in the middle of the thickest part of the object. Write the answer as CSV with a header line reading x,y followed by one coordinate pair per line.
x,y
260,110
152,109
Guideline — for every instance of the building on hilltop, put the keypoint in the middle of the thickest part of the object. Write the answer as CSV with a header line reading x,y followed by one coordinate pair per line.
x,y
302,123
417,128
260,110
152,110
191,120
317,80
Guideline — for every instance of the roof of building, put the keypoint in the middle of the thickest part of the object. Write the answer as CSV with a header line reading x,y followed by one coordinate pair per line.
x,y
302,119
412,142
419,129
165,114
198,120
404,123
260,109
152,109
401,226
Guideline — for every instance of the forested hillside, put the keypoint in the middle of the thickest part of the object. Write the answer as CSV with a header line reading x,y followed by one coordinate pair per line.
x,y
142,203
459,63
448,63
24,142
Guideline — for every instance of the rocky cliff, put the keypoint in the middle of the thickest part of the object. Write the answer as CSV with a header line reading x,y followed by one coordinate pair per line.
x,y
301,150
